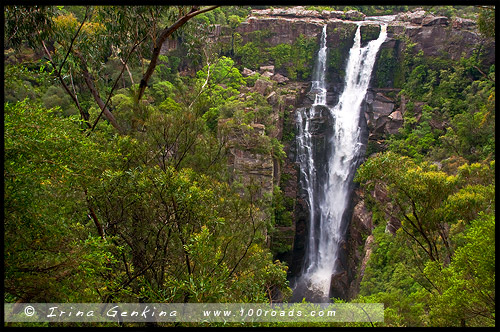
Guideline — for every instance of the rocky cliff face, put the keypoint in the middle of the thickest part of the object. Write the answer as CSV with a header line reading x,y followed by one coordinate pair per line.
x,y
252,167
288,24
383,108
383,111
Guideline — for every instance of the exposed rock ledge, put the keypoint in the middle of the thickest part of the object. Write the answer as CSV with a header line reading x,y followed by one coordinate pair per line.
x,y
421,17
301,12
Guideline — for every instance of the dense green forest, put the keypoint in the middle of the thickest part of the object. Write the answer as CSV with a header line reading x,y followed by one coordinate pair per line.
x,y
116,180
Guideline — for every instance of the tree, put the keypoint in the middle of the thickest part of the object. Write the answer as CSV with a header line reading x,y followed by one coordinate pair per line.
x,y
84,45
425,200
27,24
416,193
111,221
54,248
465,290
178,250
446,221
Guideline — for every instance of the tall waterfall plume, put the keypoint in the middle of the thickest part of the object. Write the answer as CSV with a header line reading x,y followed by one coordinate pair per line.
x,y
328,186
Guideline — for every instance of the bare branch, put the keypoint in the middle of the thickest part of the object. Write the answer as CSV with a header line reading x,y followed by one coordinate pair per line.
x,y
103,106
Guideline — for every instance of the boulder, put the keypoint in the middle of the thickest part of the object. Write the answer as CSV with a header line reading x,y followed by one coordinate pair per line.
x,y
354,15
325,14
267,74
334,14
272,98
417,110
438,123
280,78
267,69
463,23
258,128
421,17
434,20
396,116
247,72
263,86
380,108
415,17
379,126
395,122
392,127
377,113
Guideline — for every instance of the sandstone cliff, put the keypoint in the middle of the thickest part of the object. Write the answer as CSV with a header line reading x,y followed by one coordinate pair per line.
x,y
384,108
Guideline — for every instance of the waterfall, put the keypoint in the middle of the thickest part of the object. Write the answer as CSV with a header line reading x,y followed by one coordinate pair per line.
x,y
318,84
328,186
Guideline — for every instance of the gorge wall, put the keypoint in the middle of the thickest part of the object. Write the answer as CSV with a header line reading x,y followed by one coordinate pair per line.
x,y
383,110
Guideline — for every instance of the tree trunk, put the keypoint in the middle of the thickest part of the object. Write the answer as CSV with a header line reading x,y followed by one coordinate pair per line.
x,y
90,84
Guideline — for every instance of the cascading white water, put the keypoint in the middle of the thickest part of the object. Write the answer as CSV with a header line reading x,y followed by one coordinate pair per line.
x,y
328,197
305,145
318,84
